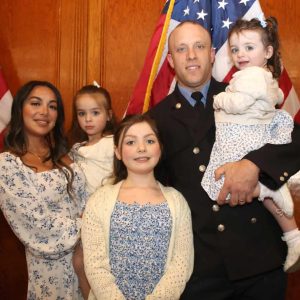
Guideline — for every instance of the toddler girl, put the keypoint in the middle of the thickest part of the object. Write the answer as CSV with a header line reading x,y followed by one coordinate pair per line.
x,y
246,119
92,128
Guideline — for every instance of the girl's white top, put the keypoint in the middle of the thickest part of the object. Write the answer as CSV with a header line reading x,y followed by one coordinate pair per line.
x,y
96,161
249,99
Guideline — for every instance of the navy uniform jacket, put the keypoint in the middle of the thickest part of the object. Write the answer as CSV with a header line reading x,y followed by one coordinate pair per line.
x,y
236,241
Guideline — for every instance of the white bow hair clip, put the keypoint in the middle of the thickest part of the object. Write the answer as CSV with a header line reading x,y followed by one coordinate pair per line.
x,y
95,83
262,21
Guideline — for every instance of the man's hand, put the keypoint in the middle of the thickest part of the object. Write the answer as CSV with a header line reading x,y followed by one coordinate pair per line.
x,y
241,179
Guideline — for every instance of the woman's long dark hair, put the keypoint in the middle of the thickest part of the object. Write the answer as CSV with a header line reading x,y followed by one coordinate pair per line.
x,y
120,170
15,136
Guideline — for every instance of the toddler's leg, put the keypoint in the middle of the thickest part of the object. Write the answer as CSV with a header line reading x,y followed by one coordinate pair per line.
x,y
282,198
79,270
291,235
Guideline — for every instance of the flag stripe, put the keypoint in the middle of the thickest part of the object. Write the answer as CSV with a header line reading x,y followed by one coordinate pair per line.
x,y
5,109
1,139
3,85
289,104
141,85
5,106
162,83
172,26
158,55
285,82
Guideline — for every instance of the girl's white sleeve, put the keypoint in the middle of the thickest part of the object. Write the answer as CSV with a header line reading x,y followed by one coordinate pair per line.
x,y
243,90
233,102
96,257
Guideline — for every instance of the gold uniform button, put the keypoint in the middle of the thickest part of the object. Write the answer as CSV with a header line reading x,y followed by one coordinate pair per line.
x,y
215,207
221,227
281,178
253,220
196,150
178,105
286,174
202,168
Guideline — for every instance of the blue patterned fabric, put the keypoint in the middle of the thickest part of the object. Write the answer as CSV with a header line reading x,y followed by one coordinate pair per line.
x,y
234,141
139,242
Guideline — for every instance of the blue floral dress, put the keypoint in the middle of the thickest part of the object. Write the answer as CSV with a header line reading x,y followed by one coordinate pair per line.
x,y
46,220
234,141
139,242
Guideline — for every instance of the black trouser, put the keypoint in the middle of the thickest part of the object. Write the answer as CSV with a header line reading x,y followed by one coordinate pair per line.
x,y
267,286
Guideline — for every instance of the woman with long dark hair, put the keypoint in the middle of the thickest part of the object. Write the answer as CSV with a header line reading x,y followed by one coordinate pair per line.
x,y
42,193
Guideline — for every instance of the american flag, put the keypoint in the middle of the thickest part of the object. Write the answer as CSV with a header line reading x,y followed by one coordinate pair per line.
x,y
156,80
5,106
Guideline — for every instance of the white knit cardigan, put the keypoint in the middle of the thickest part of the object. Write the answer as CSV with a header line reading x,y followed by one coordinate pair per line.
x,y
250,98
95,240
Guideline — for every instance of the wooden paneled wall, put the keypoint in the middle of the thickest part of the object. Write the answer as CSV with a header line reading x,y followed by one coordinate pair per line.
x,y
72,43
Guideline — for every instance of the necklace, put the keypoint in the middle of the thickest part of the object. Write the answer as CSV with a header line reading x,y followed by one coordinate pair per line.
x,y
40,157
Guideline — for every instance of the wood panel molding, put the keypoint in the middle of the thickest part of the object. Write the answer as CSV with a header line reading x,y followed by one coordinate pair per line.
x,y
80,57
72,44
96,41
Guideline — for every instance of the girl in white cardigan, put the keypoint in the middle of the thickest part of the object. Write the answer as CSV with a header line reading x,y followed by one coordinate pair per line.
x,y
246,119
137,234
